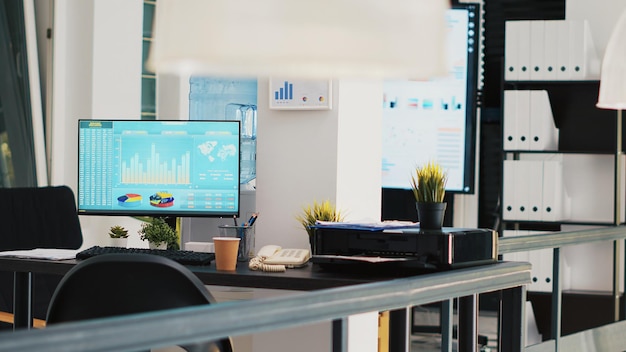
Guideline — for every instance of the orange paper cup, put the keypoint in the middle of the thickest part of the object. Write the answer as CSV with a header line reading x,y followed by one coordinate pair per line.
x,y
226,249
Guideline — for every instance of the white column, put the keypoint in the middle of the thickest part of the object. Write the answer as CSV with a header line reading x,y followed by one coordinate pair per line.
x,y
303,156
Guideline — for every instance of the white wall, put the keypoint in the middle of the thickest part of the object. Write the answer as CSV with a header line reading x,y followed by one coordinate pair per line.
x,y
602,16
96,74
306,156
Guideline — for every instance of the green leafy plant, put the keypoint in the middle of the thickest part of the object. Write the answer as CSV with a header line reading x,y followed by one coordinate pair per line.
x,y
118,232
429,183
156,230
324,211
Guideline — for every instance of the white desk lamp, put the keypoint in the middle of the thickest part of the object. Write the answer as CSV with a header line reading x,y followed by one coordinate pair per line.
x,y
301,39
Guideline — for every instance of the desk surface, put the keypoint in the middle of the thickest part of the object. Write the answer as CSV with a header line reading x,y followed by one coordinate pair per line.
x,y
310,277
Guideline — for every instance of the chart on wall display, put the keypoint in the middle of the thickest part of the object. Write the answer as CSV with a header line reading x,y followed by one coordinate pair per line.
x,y
153,166
428,120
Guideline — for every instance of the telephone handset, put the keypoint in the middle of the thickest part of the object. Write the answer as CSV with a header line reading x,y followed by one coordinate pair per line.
x,y
274,258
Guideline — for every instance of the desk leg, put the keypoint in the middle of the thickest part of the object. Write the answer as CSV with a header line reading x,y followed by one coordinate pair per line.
x,y
22,295
511,337
340,335
468,320
399,330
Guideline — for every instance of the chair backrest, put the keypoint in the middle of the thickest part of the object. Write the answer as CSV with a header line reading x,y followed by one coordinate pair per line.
x,y
37,217
119,284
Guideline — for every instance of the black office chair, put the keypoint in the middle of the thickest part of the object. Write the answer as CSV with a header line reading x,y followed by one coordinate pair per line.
x,y
36,217
119,284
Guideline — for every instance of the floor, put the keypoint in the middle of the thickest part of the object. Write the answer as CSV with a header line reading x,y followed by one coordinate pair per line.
x,y
430,342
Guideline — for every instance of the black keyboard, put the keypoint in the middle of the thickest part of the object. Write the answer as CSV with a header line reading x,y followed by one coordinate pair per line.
x,y
182,257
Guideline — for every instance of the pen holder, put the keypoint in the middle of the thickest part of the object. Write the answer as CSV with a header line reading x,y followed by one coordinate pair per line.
x,y
246,236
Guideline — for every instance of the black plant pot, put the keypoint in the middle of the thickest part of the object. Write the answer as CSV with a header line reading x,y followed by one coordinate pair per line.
x,y
430,215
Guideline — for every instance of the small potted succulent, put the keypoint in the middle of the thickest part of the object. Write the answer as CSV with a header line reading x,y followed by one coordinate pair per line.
x,y
429,188
324,211
119,236
159,234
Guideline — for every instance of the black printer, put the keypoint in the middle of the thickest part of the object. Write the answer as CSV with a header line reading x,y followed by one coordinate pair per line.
x,y
437,249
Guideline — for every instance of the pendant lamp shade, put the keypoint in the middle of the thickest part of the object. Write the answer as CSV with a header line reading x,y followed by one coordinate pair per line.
x,y
613,80
301,39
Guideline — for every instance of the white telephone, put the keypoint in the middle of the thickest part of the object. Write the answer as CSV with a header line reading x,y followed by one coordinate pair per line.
x,y
274,258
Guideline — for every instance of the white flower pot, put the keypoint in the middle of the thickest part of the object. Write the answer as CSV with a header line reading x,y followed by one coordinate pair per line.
x,y
119,242
162,245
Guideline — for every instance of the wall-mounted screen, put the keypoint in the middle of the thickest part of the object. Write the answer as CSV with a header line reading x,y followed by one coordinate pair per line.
x,y
435,120
158,168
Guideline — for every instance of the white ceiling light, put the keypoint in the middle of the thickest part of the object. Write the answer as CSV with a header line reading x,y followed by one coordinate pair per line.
x,y
304,39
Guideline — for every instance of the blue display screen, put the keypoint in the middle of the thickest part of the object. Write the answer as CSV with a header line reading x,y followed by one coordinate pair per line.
x,y
158,168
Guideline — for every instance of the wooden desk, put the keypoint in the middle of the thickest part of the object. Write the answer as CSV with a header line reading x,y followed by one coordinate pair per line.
x,y
311,277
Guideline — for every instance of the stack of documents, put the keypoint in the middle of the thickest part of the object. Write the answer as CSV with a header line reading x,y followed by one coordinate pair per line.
x,y
550,50
528,121
534,191
42,253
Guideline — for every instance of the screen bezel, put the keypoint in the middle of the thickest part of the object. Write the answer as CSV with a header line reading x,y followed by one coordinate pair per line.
x,y
166,212
471,113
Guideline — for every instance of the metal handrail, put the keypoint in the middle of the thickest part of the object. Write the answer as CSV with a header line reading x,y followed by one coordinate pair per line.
x,y
559,239
554,241
194,324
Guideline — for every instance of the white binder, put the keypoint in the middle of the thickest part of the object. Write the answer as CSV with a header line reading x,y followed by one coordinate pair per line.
x,y
522,190
541,269
554,201
509,128
563,71
508,190
543,132
583,58
511,50
550,49
537,35
523,53
522,119
535,189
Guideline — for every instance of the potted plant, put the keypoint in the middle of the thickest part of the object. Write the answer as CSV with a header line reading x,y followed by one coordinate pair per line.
x,y
324,211
119,236
158,234
429,188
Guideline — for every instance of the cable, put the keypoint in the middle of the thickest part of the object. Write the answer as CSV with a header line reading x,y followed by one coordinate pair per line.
x,y
256,263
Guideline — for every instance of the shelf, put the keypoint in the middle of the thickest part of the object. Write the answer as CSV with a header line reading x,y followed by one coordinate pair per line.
x,y
539,84
583,128
582,152
556,224
587,148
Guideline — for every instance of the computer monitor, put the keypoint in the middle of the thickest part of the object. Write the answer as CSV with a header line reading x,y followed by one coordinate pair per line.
x,y
158,168
435,120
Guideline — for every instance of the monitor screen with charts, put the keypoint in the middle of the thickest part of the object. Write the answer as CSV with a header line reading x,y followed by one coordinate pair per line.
x,y
435,120
158,168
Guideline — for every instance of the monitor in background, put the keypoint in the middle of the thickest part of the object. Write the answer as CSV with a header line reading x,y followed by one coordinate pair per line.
x,y
158,168
435,120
